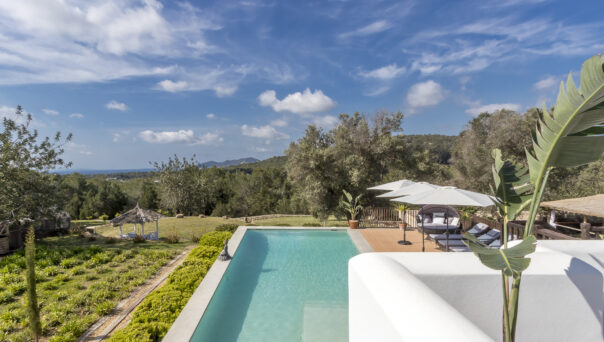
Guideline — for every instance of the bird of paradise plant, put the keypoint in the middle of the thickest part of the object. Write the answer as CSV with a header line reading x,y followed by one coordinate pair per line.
x,y
571,135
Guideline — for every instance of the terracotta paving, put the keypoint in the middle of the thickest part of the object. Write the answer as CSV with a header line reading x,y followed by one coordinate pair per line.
x,y
385,240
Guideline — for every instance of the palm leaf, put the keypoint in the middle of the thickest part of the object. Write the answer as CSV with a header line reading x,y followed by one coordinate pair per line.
x,y
511,261
572,134
512,186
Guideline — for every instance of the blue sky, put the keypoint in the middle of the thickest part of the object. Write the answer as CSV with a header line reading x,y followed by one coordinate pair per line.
x,y
137,81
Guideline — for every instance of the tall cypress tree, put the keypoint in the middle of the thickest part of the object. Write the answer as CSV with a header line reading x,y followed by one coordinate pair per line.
x,y
32,298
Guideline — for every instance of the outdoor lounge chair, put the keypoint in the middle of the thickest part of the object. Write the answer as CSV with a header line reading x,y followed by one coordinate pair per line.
x,y
489,236
452,243
477,230
459,249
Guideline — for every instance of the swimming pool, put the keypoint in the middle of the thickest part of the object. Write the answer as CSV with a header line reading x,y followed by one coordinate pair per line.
x,y
282,285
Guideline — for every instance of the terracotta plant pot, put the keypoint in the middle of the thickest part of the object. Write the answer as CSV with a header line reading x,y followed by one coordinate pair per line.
x,y
402,225
353,224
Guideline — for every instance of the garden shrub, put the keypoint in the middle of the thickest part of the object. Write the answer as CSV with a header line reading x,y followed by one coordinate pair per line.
x,y
282,224
215,239
139,239
227,227
154,316
310,224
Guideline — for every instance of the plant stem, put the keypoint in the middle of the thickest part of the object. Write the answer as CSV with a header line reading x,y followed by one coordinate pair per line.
x,y
539,189
513,306
506,314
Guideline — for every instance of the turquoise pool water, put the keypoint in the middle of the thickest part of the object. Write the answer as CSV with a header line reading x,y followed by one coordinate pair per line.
x,y
282,285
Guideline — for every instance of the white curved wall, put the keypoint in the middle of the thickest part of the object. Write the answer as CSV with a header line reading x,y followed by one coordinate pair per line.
x,y
452,296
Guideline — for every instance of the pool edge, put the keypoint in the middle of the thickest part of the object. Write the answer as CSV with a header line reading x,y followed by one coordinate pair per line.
x,y
185,324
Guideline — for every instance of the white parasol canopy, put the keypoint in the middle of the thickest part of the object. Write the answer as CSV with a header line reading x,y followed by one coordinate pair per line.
x,y
411,189
448,195
392,185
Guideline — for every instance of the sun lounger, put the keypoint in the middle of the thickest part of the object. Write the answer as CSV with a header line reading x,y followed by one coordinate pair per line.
x,y
451,243
459,249
489,236
477,230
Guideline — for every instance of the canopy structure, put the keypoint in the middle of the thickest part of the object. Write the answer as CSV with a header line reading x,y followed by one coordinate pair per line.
x,y
446,196
135,216
410,189
588,206
392,185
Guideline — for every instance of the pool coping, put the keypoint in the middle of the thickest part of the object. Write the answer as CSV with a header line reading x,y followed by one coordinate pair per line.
x,y
183,328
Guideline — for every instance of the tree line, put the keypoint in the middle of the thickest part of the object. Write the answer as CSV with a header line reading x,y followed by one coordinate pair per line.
x,y
359,152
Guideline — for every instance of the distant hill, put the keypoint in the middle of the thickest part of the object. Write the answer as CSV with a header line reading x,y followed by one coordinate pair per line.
x,y
211,163
234,162
277,162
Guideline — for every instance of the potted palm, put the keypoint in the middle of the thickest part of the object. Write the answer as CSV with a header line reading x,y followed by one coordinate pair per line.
x,y
352,206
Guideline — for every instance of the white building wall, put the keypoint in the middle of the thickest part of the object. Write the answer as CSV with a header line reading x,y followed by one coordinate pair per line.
x,y
431,296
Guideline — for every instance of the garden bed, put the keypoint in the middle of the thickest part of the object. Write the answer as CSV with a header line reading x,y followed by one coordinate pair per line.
x,y
78,281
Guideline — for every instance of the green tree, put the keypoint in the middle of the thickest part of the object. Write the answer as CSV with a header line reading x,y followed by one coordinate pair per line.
x,y
471,155
182,187
26,187
33,310
149,198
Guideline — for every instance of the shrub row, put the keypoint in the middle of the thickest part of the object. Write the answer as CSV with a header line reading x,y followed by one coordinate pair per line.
x,y
154,316
227,227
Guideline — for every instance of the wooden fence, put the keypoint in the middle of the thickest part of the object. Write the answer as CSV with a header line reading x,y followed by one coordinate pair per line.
x,y
385,217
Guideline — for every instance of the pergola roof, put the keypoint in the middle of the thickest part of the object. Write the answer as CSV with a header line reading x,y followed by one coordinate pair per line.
x,y
137,215
589,206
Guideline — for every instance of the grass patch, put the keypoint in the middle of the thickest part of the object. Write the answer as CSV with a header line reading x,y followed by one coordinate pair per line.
x,y
79,281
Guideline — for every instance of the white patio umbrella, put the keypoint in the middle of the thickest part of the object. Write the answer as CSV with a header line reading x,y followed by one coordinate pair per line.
x,y
392,185
410,189
447,195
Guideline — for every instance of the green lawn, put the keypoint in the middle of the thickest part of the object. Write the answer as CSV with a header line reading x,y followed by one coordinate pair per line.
x,y
78,281
193,226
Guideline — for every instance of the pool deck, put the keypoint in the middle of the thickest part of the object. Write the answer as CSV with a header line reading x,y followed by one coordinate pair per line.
x,y
385,240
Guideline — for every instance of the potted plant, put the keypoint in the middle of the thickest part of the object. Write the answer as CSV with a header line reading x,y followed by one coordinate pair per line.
x,y
352,206
465,215
402,210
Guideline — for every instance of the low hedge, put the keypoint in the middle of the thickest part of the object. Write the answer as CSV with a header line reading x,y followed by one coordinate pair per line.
x,y
154,316
227,227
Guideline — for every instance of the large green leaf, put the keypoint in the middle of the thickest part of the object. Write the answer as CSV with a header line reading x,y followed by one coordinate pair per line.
x,y
572,134
512,186
511,261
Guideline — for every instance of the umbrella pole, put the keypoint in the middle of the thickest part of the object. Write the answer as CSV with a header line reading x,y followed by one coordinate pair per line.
x,y
423,246
404,240
447,232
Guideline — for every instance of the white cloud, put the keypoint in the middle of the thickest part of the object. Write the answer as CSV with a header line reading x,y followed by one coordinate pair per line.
x,y
173,87
181,136
117,106
50,112
425,94
78,148
279,123
326,121
377,91
305,102
490,108
550,82
263,132
76,116
210,115
373,28
384,73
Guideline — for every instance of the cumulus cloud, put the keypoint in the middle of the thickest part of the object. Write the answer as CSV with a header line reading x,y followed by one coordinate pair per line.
x,y
279,123
546,83
76,116
384,73
373,28
326,121
181,136
490,108
305,102
173,87
50,112
425,94
223,81
210,115
263,132
114,105
106,38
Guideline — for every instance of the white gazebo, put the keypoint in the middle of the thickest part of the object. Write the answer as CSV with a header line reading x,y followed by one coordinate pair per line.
x,y
138,216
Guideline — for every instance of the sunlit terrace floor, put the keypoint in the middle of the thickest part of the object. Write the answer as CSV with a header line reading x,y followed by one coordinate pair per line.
x,y
385,240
